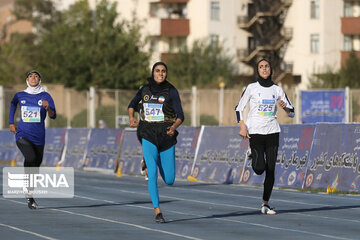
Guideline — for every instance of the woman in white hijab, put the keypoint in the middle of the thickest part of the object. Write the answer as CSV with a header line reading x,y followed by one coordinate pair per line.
x,y
35,103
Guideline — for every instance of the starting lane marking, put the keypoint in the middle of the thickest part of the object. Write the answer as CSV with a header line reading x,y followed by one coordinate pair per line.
x,y
221,219
26,231
105,220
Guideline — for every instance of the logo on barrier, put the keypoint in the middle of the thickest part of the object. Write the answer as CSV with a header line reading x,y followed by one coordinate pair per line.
x,y
309,180
246,176
291,178
184,171
45,182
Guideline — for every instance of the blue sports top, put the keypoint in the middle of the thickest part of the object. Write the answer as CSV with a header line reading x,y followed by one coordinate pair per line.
x,y
33,114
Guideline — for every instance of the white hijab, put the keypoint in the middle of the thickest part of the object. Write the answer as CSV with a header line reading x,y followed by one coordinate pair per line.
x,y
34,90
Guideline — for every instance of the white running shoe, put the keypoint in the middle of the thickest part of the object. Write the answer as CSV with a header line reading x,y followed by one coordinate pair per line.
x,y
266,209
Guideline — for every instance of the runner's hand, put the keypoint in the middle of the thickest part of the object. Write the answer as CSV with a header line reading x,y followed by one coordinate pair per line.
x,y
244,133
170,131
45,104
13,128
281,103
133,123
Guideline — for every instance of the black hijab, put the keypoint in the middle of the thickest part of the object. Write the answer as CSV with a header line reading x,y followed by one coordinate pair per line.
x,y
154,86
262,81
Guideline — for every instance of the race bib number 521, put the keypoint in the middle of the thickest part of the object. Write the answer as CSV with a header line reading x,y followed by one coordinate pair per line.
x,y
30,114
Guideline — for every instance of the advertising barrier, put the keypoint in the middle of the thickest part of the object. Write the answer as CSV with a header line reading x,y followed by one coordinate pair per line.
x,y
102,149
334,158
130,153
221,155
54,146
323,106
185,150
293,154
8,148
76,141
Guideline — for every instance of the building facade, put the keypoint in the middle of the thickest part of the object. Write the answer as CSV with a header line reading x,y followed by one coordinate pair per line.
x,y
301,37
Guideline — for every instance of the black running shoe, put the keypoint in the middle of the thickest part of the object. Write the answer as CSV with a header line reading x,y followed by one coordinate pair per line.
x,y
143,166
159,218
31,203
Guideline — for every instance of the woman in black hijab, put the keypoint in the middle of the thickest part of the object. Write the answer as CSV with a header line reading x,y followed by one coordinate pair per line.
x,y
262,127
161,114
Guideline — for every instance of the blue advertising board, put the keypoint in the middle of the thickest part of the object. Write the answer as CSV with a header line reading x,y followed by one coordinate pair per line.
x,y
293,154
130,153
334,158
185,150
8,148
102,149
76,143
323,106
221,155
54,146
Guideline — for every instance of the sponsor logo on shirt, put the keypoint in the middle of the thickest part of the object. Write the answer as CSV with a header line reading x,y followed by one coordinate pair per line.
x,y
153,98
40,102
23,101
146,97
268,101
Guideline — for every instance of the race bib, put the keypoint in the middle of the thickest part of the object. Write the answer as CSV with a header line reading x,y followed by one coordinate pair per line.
x,y
30,114
153,112
267,107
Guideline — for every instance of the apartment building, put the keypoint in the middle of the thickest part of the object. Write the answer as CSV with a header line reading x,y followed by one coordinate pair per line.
x,y
317,39
301,37
171,24
350,28
8,22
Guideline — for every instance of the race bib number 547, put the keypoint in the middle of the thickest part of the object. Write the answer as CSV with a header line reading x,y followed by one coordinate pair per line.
x,y
153,112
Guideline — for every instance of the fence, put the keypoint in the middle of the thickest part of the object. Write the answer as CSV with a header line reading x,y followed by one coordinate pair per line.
x,y
201,106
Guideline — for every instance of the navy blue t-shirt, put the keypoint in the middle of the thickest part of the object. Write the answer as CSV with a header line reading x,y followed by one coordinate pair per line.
x,y
32,115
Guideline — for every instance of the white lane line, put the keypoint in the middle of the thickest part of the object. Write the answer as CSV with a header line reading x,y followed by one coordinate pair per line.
x,y
228,220
235,206
254,188
111,221
26,231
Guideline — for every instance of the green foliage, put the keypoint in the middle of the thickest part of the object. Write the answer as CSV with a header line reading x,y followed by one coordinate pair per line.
x,y
350,74
187,120
92,49
14,59
59,122
42,13
78,47
208,120
202,65
347,76
205,119
105,113
79,120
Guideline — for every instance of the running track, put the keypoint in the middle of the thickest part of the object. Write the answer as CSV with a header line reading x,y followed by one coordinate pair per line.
x,y
107,207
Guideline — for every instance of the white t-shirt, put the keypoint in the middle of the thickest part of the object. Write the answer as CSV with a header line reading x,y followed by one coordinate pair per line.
x,y
262,117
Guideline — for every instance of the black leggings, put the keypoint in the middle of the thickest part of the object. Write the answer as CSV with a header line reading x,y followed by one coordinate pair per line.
x,y
264,150
33,154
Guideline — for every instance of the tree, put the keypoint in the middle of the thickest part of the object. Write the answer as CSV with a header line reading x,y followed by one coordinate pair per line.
x,y
347,76
82,47
202,65
92,49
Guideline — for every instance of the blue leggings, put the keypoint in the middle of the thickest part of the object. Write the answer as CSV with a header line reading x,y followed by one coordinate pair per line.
x,y
166,168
